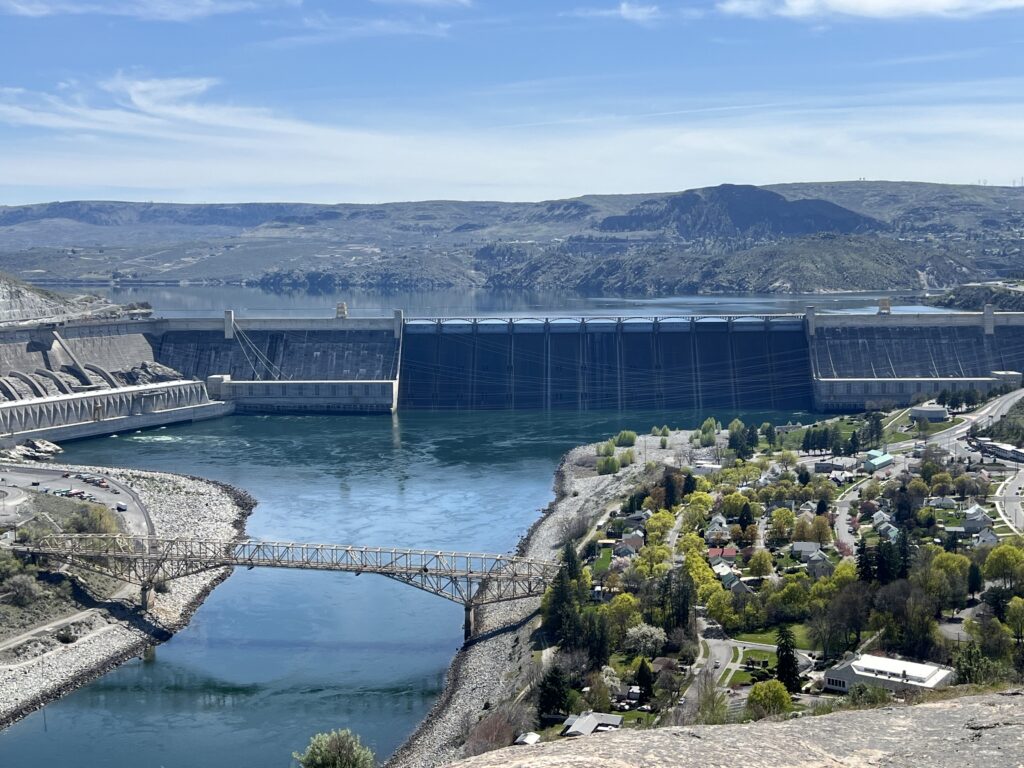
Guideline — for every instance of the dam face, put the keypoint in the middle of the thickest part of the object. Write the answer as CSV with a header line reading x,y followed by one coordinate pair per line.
x,y
606,364
121,374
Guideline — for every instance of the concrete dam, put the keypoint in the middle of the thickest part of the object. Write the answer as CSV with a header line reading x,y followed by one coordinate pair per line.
x,y
76,379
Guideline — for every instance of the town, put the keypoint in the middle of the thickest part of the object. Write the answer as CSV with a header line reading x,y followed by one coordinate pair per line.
x,y
790,570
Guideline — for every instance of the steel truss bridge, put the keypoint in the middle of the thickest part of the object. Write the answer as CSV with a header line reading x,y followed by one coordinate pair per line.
x,y
468,578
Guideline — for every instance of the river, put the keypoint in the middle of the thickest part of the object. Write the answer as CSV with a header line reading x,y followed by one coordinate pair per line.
x,y
197,300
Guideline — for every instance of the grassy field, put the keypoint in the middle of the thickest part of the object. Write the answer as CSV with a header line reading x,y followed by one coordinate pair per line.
x,y
740,677
755,654
603,561
767,637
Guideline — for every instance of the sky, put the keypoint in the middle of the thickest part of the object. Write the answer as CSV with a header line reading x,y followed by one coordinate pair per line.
x,y
385,100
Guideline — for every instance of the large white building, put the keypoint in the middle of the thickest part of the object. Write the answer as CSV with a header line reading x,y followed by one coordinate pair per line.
x,y
893,674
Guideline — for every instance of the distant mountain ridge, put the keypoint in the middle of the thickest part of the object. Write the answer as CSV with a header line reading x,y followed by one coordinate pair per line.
x,y
790,237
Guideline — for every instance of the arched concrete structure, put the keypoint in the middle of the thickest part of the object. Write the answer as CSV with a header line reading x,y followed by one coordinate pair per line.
x,y
32,384
61,384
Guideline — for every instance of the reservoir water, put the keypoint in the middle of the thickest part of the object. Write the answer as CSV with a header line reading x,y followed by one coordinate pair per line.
x,y
272,657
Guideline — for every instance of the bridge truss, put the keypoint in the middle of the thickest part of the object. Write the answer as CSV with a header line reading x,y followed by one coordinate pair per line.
x,y
467,578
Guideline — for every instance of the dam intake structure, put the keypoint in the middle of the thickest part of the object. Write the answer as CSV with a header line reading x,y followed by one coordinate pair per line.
x,y
75,379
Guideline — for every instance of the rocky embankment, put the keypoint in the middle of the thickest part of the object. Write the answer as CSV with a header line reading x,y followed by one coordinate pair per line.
x,y
45,668
499,664
974,731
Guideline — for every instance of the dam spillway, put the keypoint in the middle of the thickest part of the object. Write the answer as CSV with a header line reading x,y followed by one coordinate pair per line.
x,y
605,364
714,364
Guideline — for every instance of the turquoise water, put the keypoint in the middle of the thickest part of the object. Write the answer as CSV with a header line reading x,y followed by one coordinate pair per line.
x,y
275,656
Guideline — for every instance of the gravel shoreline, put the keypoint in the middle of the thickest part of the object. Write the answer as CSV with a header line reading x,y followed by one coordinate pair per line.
x,y
495,667
178,506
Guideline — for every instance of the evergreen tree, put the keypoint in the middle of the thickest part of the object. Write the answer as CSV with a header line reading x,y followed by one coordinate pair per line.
x,y
807,442
573,567
803,475
854,444
597,639
787,671
975,581
645,680
905,557
689,484
887,562
553,692
865,563
746,516
753,437
768,430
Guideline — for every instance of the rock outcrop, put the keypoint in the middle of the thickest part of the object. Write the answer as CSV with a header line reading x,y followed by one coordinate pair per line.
x,y
973,731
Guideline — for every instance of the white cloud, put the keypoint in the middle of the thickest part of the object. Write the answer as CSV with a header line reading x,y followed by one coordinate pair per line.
x,y
320,28
429,3
879,9
151,138
149,10
634,12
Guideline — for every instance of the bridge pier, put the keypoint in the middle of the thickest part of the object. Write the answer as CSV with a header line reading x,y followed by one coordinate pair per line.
x,y
147,596
469,627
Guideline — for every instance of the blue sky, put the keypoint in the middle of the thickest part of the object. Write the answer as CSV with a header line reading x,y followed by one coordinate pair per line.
x,y
377,100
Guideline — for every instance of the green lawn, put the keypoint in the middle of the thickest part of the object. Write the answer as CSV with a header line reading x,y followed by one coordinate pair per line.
x,y
603,562
735,655
636,719
740,677
767,636
755,654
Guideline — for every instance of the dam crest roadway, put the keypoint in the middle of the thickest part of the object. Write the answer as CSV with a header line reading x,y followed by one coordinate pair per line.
x,y
467,578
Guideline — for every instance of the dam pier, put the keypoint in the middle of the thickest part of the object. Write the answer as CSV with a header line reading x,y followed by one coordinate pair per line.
x,y
64,381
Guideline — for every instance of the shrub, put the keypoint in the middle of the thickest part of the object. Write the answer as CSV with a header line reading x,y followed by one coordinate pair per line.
x,y
24,589
768,698
625,438
627,457
161,586
665,431
664,442
498,728
606,448
608,465
337,749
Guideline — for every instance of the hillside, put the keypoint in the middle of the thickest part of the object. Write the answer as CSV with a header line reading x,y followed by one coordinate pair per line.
x,y
20,302
795,237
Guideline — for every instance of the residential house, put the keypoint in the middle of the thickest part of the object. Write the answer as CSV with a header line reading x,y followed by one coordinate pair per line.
x,y
739,586
717,531
880,517
987,537
808,507
634,539
590,722
728,554
819,565
888,531
722,569
976,519
624,550
802,550
941,502
893,674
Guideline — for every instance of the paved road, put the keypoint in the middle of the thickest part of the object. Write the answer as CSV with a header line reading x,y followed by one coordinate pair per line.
x,y
136,519
1008,502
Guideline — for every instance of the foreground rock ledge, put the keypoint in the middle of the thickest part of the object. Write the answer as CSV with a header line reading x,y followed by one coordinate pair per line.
x,y
983,731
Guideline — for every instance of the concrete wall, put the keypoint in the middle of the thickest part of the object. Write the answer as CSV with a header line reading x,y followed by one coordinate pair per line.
x,y
306,396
